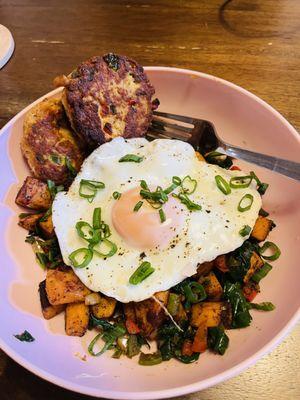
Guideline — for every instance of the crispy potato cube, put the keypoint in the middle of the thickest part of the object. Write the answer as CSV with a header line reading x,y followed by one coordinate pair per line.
x,y
63,286
150,315
211,314
77,319
48,310
261,228
34,194
200,340
212,286
204,268
255,264
47,227
29,221
105,308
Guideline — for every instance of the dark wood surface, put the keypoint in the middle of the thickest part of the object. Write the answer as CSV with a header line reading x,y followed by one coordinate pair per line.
x,y
253,43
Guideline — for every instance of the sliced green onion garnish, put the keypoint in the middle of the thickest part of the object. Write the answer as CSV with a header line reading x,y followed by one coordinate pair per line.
x,y
150,359
245,230
222,184
131,158
265,306
42,259
80,258
46,215
263,212
86,232
88,189
262,187
25,337
97,218
272,246
105,248
240,182
191,206
140,274
92,344
194,292
162,215
138,206
56,159
245,202
188,185
176,181
116,195
261,273
144,185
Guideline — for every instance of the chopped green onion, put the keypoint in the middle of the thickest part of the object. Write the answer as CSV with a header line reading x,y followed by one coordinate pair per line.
x,y
173,303
240,182
144,185
222,184
87,232
176,180
186,359
131,158
53,189
92,344
265,306
138,206
56,159
188,185
272,246
214,157
261,273
191,206
162,215
25,337
140,274
88,189
42,259
217,339
262,187
150,359
111,248
46,215
116,195
244,199
245,230
97,218
194,292
133,346
80,258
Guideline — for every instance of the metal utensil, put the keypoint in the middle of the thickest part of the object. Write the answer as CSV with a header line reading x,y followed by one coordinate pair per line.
x,y
202,135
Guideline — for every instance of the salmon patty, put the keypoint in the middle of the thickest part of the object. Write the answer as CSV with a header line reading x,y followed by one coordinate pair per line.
x,y
106,97
48,144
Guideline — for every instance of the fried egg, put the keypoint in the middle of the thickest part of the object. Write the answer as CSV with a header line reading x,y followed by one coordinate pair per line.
x,y
173,247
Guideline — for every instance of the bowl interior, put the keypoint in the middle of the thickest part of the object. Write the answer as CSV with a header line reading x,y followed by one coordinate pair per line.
x,y
240,118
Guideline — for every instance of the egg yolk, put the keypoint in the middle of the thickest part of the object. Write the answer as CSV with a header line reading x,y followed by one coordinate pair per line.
x,y
143,229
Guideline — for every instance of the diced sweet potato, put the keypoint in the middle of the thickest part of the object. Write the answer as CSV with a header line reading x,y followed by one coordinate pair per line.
x,y
204,268
34,194
29,221
105,308
221,263
63,286
150,315
200,340
48,310
212,286
261,228
47,227
77,319
255,264
211,314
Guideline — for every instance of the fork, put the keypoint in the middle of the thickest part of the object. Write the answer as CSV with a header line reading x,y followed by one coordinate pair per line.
x,y
202,135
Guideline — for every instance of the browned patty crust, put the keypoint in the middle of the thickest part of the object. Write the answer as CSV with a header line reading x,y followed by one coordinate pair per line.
x,y
48,145
108,96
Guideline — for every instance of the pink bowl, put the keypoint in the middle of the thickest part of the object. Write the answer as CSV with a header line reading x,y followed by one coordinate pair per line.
x,y
240,118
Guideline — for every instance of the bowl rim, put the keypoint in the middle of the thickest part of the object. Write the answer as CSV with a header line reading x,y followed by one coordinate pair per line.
x,y
186,389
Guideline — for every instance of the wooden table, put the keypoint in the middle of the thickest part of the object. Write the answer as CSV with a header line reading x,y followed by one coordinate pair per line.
x,y
254,43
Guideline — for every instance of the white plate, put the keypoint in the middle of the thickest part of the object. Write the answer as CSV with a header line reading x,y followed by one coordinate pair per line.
x,y
240,118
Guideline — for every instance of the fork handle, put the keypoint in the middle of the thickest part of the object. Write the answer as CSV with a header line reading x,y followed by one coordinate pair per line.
x,y
284,167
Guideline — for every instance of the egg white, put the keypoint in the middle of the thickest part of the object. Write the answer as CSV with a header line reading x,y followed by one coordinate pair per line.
x,y
206,234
